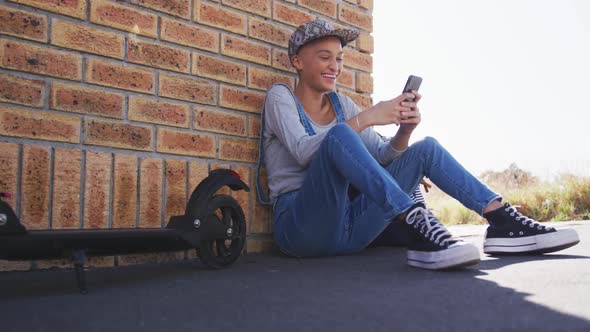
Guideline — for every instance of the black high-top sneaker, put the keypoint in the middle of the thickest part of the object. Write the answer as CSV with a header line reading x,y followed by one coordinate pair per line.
x,y
511,232
433,246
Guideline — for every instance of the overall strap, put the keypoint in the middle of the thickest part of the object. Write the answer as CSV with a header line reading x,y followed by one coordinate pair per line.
x,y
337,106
264,200
303,118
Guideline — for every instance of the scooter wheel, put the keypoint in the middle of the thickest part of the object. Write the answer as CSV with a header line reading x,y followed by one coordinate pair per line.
x,y
223,252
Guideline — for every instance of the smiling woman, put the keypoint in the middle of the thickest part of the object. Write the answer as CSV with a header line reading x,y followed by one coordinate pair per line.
x,y
504,81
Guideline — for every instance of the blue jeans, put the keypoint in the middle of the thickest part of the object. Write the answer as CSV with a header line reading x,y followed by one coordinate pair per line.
x,y
319,219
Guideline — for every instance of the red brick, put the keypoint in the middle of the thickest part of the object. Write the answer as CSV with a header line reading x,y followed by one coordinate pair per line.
x,y
9,171
260,7
217,69
125,191
220,122
78,99
240,99
198,171
34,212
238,150
23,24
326,7
179,8
74,8
66,189
119,76
18,90
364,83
362,101
189,89
242,196
355,17
39,125
358,60
158,111
159,56
189,35
280,60
365,43
100,261
269,32
185,143
84,38
58,263
244,49
97,189
215,166
114,15
254,126
290,14
40,60
337,25
366,4
353,44
258,245
117,134
150,195
346,79
6,266
175,188
220,17
264,79
153,258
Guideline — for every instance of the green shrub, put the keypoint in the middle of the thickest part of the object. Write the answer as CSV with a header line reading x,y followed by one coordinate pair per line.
x,y
566,198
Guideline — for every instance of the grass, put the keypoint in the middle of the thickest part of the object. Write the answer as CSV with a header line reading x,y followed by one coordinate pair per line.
x,y
565,198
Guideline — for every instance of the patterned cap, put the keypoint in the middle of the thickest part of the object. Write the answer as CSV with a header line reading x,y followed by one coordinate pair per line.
x,y
315,29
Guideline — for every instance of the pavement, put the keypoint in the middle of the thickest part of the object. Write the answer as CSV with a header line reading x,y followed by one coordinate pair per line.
x,y
371,291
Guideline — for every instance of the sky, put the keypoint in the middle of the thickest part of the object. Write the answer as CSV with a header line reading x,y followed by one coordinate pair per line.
x,y
504,81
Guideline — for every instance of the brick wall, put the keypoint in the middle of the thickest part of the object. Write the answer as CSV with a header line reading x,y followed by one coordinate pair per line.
x,y
111,112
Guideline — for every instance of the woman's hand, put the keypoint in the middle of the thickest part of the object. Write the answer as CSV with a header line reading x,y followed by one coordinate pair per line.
x,y
412,117
396,111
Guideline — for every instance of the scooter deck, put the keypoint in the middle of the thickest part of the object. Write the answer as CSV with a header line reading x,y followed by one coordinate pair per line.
x,y
47,244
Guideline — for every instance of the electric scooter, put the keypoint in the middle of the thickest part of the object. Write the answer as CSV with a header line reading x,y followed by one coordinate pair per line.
x,y
213,224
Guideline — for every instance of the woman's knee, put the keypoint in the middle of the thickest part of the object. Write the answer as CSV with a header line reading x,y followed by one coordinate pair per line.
x,y
341,130
427,143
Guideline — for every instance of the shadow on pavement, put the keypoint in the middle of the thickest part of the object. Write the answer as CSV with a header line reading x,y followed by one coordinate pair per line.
x,y
496,262
371,291
55,282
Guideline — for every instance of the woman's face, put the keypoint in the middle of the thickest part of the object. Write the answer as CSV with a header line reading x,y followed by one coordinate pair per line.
x,y
319,63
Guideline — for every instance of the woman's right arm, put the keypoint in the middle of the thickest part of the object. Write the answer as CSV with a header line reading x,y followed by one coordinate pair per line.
x,y
384,113
282,119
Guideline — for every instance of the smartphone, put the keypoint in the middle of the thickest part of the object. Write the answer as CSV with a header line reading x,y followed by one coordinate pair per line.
x,y
412,84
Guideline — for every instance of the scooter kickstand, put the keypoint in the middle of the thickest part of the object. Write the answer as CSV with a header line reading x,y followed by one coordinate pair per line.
x,y
79,258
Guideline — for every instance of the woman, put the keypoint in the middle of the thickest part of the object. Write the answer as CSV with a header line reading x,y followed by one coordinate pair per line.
x,y
318,145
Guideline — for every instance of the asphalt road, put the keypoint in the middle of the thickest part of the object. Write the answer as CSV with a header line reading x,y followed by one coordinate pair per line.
x,y
372,291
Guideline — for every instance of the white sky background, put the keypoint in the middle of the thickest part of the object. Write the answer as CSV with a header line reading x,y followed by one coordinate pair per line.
x,y
503,81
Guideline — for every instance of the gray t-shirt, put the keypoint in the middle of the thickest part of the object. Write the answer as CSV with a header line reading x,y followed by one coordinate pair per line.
x,y
289,149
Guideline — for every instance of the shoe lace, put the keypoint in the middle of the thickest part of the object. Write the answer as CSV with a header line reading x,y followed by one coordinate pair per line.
x,y
430,227
524,220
